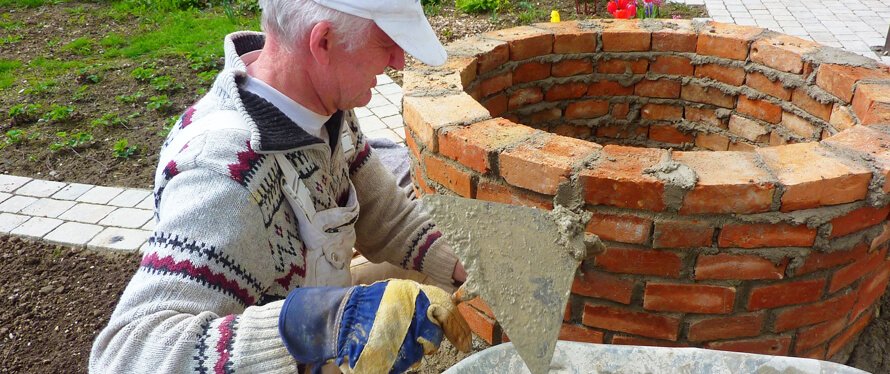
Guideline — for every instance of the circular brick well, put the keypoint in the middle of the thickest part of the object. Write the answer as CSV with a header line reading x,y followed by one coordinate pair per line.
x,y
737,176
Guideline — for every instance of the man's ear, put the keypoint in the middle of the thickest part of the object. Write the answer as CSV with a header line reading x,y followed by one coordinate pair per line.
x,y
321,42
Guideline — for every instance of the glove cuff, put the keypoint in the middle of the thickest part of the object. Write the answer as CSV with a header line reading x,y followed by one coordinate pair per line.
x,y
309,322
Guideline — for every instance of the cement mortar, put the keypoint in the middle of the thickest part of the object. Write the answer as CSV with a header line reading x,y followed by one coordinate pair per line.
x,y
839,56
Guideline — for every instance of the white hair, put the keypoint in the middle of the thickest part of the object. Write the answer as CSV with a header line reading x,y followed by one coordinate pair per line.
x,y
292,20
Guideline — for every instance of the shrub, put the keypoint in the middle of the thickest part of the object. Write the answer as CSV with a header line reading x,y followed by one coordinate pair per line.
x,y
480,6
58,113
122,149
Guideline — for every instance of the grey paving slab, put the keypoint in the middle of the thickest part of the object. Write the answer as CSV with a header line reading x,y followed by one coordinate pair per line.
x,y
40,188
73,233
100,195
150,225
9,183
386,133
394,122
36,227
16,203
127,217
4,196
72,191
376,101
147,203
119,239
87,213
363,112
47,207
372,123
129,198
9,221
385,111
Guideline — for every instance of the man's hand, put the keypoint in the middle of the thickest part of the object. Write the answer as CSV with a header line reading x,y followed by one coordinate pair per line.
x,y
459,275
384,327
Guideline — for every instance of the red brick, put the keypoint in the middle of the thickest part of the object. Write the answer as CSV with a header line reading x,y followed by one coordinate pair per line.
x,y
531,71
449,176
620,110
872,103
587,109
730,75
481,306
618,179
473,145
624,229
810,105
817,353
719,328
661,112
758,235
566,68
483,326
748,129
541,166
637,323
774,88
688,298
746,147
576,333
857,220
572,131
847,336
810,337
813,179
742,267
640,261
421,187
867,143
842,117
786,293
726,40
805,315
496,84
603,286
622,131
677,233
546,115
881,239
660,88
609,88
673,65
779,346
759,109
782,52
853,272
565,91
626,36
871,290
839,80
412,144
523,97
496,105
668,133
799,126
619,339
617,66
818,260
728,182
706,116
569,37
678,36
714,142
425,116
490,54
706,95
524,41
499,193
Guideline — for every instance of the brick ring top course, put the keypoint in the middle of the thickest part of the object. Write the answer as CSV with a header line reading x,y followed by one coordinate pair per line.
x,y
765,121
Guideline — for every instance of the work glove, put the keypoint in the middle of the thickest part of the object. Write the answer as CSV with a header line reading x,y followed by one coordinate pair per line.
x,y
385,327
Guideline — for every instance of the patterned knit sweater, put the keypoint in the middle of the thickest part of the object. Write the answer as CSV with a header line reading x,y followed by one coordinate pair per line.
x,y
227,249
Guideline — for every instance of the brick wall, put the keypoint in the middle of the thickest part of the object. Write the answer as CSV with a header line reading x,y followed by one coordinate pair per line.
x,y
777,245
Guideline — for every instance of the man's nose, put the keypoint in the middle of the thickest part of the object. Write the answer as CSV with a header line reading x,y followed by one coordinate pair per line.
x,y
397,58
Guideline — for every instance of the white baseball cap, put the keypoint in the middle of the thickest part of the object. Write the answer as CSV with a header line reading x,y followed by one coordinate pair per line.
x,y
402,20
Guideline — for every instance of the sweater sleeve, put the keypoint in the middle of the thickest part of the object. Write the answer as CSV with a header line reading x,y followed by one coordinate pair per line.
x,y
391,227
191,306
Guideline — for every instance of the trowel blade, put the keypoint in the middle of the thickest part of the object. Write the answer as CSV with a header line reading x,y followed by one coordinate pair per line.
x,y
514,262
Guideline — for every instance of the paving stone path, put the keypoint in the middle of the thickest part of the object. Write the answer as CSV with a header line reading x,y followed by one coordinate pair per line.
x,y
114,218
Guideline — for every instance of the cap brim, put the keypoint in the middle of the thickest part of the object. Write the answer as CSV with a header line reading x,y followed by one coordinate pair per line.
x,y
416,37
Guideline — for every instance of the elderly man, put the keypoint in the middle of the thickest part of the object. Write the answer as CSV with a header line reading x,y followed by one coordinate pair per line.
x,y
263,188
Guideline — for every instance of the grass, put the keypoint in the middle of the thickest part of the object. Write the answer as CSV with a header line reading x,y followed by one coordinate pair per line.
x,y
7,72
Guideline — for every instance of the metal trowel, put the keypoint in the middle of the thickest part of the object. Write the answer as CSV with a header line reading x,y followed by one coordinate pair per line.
x,y
521,261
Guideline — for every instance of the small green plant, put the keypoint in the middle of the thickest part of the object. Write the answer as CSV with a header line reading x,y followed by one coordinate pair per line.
x,y
72,141
39,88
207,77
81,46
15,136
23,113
130,99
110,120
203,62
122,149
168,125
11,39
80,93
480,6
58,113
529,12
165,83
88,75
160,103
432,8
143,74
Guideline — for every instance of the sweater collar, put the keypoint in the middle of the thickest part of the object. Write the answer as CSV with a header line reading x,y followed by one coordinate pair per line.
x,y
271,130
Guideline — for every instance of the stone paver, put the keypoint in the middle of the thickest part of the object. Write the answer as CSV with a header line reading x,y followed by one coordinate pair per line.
x,y
9,183
9,221
129,198
147,203
4,196
127,217
16,203
119,239
88,213
72,191
40,188
36,227
47,208
73,233
100,195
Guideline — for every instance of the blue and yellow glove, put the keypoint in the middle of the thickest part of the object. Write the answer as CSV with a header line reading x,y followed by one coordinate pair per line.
x,y
385,327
